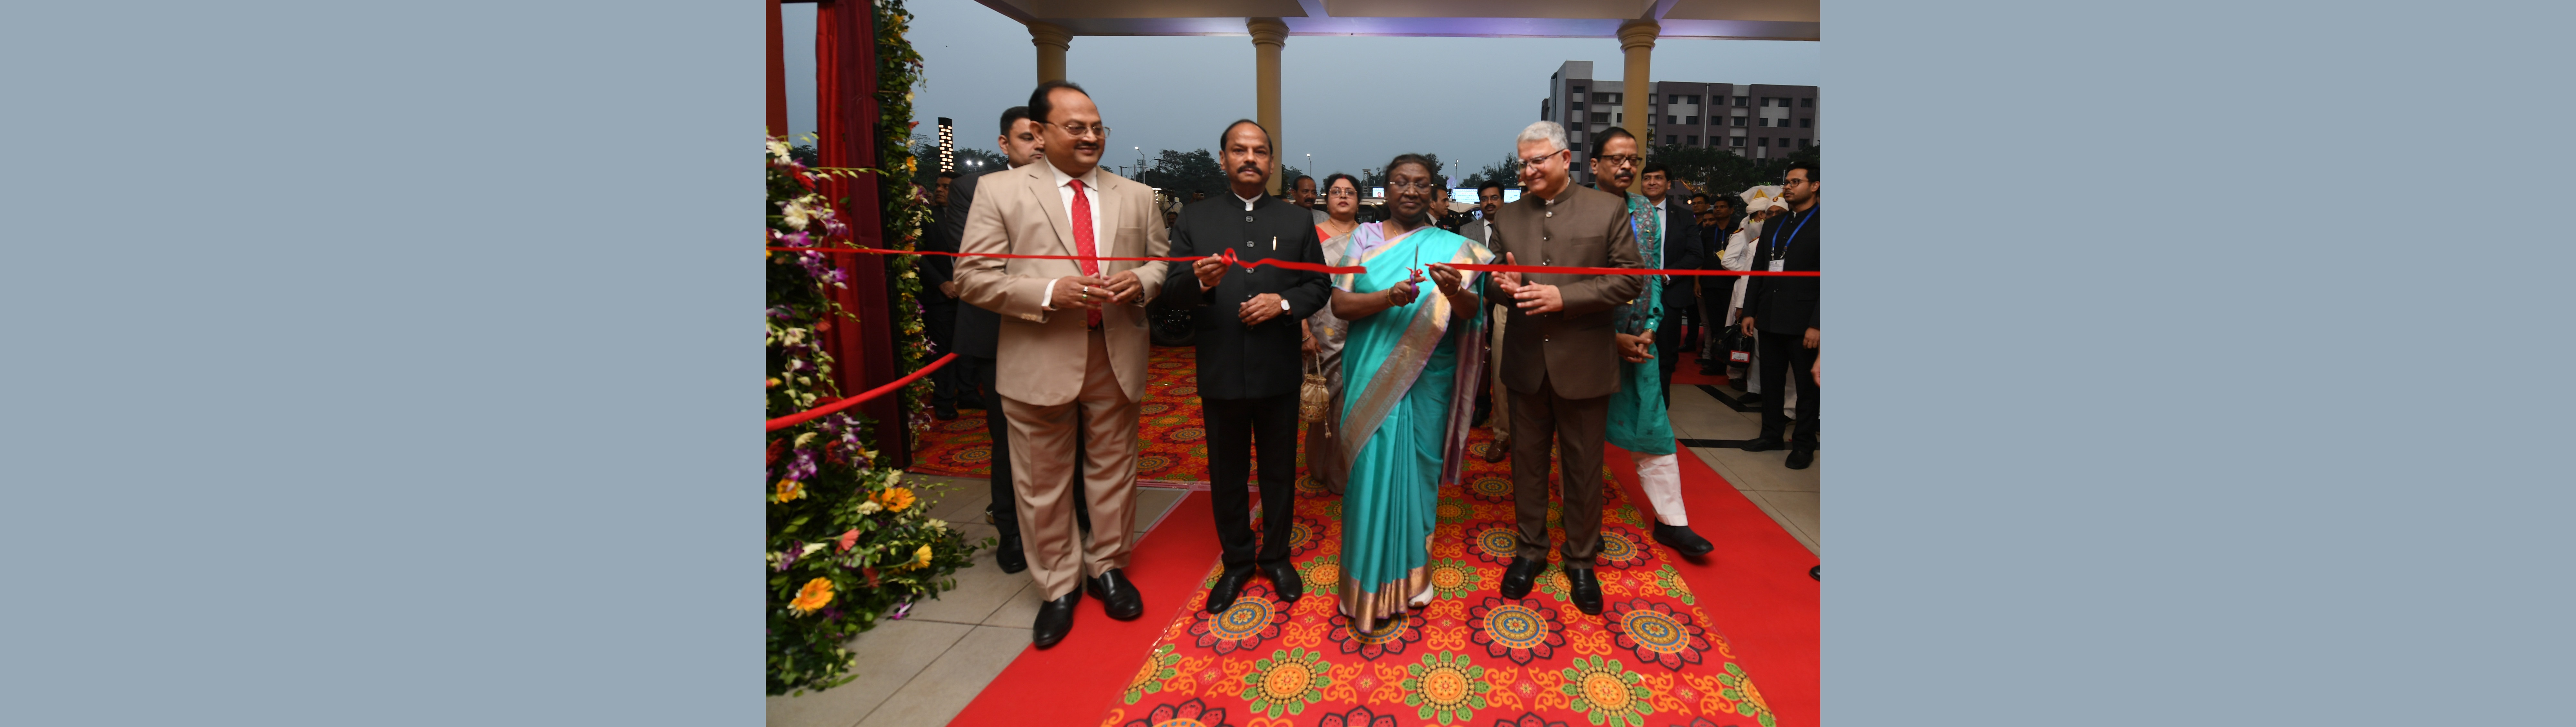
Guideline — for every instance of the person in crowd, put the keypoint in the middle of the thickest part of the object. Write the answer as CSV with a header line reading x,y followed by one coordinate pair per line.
x,y
1559,358
1493,400
1681,251
1325,336
978,330
1250,331
1764,202
1639,421
1780,313
938,299
1404,417
1716,294
1074,345
1301,192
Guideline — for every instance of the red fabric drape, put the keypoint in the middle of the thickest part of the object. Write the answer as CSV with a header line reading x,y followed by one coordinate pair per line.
x,y
846,116
777,86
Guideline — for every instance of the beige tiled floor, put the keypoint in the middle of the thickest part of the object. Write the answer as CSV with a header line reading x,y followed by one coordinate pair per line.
x,y
944,653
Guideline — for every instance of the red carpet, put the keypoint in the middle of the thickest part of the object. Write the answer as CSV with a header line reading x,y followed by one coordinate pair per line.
x,y
1728,642
1171,446
1688,372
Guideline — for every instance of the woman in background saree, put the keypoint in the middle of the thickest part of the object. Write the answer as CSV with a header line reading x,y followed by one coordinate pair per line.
x,y
1408,387
1325,333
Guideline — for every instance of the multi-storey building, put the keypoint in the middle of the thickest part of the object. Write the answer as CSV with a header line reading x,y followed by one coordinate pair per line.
x,y
1759,121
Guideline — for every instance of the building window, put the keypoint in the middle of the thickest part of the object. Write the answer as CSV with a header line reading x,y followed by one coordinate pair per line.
x,y
1806,123
1669,119
1601,116
1762,141
1576,90
1762,122
1693,140
1809,103
1803,143
1692,120
1739,100
1735,141
1672,139
1576,104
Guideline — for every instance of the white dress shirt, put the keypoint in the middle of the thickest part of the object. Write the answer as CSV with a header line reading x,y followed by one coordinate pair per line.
x,y
1099,227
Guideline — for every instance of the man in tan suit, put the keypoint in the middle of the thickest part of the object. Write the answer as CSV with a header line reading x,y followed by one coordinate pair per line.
x,y
1558,355
1072,347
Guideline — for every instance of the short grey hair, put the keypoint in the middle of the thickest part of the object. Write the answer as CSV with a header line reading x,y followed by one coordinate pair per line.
x,y
1547,131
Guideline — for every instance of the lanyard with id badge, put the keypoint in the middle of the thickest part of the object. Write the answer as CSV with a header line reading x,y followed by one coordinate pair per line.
x,y
1779,245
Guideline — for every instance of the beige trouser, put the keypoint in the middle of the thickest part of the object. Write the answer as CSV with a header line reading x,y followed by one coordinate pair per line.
x,y
1042,460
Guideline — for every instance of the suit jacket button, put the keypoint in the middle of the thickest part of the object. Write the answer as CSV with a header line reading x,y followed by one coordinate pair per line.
x,y
1247,218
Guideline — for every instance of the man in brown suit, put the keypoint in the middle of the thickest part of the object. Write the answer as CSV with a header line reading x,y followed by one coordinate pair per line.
x,y
1073,334
1558,356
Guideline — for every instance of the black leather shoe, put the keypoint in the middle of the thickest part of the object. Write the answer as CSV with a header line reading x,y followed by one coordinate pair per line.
x,y
1816,573
1585,587
1055,619
1228,586
1800,458
1497,451
1682,540
1749,399
1518,577
1283,577
1763,444
943,412
1117,596
1010,555
975,404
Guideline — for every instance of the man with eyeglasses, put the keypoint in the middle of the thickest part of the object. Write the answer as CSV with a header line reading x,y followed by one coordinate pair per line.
x,y
1648,329
977,341
1559,359
1073,348
1780,315
1249,362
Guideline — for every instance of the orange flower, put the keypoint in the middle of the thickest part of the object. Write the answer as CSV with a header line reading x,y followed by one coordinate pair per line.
x,y
790,490
814,595
920,558
893,499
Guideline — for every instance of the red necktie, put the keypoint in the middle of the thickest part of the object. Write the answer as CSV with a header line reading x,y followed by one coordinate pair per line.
x,y
1082,244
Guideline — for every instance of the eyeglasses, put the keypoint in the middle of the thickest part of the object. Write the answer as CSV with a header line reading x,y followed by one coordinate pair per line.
x,y
1619,159
1077,130
1534,162
1402,186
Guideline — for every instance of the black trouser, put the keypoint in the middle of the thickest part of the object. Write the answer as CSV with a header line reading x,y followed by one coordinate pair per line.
x,y
1005,515
939,323
1577,428
1236,428
1668,347
1785,354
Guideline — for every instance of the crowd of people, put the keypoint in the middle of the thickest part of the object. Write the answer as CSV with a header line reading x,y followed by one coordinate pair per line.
x,y
1414,351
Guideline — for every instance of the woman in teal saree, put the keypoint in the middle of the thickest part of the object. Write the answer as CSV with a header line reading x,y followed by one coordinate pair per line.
x,y
1406,379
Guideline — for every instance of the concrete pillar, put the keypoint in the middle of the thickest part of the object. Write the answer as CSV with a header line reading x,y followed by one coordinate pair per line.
x,y
1268,35
1052,42
1637,41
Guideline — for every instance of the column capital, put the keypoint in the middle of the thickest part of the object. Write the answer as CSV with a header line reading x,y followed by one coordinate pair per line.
x,y
1046,34
1639,33
1268,31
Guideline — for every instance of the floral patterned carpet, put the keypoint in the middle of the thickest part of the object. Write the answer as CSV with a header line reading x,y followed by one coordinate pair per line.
x,y
1651,658
1171,444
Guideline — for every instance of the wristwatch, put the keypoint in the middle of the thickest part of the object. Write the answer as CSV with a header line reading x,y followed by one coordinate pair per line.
x,y
1283,307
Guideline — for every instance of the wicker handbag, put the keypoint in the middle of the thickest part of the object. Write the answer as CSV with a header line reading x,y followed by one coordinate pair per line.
x,y
1313,398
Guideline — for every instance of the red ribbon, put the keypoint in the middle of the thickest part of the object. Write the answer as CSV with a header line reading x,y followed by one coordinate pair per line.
x,y
1227,256
1623,271
809,414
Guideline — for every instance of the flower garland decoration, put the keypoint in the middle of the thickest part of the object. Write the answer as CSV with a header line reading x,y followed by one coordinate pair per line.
x,y
848,543
905,206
